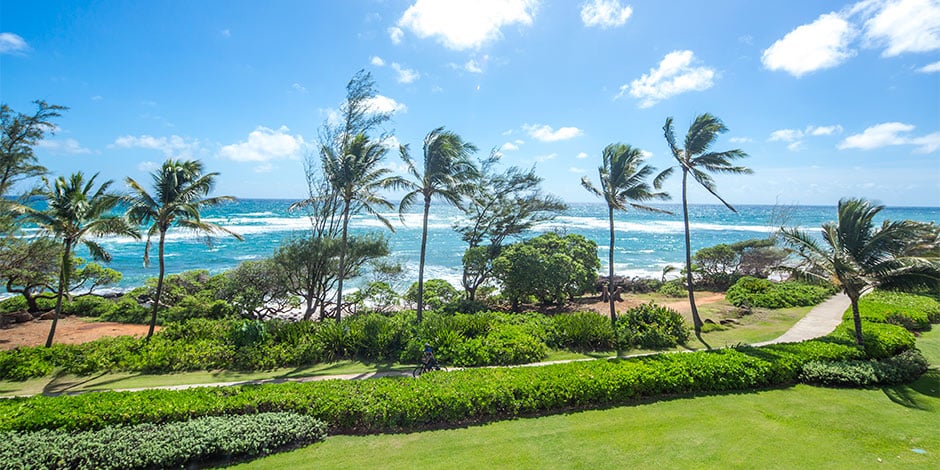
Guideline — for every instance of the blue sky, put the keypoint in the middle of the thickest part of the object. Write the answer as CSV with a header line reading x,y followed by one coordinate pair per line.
x,y
829,98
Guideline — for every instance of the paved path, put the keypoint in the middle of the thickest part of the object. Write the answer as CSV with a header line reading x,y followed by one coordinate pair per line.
x,y
819,321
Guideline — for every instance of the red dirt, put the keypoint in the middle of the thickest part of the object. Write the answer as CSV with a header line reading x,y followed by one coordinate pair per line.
x,y
69,330
681,306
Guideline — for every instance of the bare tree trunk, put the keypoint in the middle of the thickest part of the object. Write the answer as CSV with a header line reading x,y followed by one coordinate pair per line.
x,y
342,264
424,243
696,320
63,285
856,318
610,270
156,299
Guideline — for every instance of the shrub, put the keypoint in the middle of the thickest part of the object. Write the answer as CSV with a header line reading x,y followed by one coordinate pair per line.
x,y
463,396
160,445
674,288
89,306
582,331
912,311
754,292
903,368
881,340
437,294
650,326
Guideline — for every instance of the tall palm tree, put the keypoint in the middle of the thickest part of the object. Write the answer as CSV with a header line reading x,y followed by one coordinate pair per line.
x,y
180,190
623,185
447,171
857,255
697,159
75,211
356,175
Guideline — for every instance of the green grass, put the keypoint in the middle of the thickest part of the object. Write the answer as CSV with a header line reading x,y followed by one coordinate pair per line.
x,y
796,427
69,383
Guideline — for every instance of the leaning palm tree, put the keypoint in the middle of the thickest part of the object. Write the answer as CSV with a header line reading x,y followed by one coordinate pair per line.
x,y
76,211
857,255
356,175
697,159
447,172
623,185
180,190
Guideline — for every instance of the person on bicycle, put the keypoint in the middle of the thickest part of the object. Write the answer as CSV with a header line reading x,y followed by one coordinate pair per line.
x,y
430,363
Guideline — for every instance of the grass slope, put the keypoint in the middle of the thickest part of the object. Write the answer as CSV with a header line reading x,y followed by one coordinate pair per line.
x,y
796,427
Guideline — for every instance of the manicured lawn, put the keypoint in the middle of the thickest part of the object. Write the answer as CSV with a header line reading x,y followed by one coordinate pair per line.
x,y
796,427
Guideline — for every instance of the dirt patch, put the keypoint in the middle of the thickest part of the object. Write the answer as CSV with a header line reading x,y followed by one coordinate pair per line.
x,y
629,301
69,330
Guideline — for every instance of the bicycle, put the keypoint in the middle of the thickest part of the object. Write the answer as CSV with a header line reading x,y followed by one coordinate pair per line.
x,y
425,367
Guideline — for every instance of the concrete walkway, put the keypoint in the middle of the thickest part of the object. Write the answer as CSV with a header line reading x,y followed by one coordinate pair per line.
x,y
820,321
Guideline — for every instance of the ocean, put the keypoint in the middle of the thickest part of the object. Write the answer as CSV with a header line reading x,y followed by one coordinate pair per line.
x,y
645,242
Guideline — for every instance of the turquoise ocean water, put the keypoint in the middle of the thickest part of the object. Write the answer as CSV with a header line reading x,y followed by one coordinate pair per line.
x,y
645,242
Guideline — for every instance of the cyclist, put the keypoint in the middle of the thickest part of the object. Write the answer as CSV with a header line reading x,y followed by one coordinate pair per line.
x,y
430,363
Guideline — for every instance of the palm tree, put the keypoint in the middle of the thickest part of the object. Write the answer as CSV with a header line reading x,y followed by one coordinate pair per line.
x,y
623,184
180,190
857,255
356,176
447,171
697,159
75,211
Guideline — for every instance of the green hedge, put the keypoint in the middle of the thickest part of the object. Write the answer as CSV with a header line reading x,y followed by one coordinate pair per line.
x,y
754,292
463,396
903,368
882,340
651,326
201,440
913,311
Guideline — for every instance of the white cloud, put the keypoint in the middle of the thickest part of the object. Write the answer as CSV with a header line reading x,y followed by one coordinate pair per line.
x,y
545,158
12,44
740,140
927,144
824,130
148,166
463,24
391,143
377,61
97,98
902,25
821,44
384,104
405,75
173,146
673,76
395,34
299,88
877,136
509,147
794,146
545,133
472,66
605,13
794,137
930,68
786,135
581,155
574,169
63,147
264,145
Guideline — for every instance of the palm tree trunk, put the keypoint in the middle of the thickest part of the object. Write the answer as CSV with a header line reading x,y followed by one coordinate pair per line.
x,y
424,243
696,320
610,270
856,318
63,285
342,264
156,299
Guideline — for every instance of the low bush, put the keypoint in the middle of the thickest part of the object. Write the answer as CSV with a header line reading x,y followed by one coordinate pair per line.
x,y
674,288
582,331
912,311
463,396
200,440
651,326
903,368
881,340
753,292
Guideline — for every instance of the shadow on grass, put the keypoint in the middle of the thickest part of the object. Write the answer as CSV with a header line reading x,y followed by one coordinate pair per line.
x,y
59,385
919,395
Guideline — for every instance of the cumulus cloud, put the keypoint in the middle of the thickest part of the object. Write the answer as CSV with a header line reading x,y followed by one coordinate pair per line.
x,y
545,158
901,26
786,135
12,44
263,145
821,44
405,75
931,68
794,137
148,166
545,133
824,130
63,147
472,66
581,155
674,75
384,104
463,24
740,140
605,13
173,146
891,134
509,147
